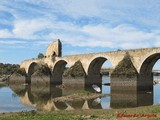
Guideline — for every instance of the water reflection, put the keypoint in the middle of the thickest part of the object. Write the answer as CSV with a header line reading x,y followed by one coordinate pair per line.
x,y
132,99
48,97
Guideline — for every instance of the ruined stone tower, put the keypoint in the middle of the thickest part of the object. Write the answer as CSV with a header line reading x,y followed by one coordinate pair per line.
x,y
54,49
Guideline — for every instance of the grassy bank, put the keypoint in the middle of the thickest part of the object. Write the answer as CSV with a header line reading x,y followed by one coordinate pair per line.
x,y
149,112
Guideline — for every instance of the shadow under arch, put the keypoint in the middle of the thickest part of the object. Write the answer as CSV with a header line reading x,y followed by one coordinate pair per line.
x,y
94,76
58,72
145,78
32,68
39,73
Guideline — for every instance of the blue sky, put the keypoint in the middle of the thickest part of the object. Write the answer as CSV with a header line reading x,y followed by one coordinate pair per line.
x,y
83,26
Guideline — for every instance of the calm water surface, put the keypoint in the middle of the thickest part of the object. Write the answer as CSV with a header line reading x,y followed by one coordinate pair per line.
x,y
10,102
13,100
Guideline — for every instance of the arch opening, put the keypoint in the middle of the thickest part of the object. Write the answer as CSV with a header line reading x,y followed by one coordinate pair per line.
x,y
39,73
58,72
150,77
156,82
32,68
145,81
98,73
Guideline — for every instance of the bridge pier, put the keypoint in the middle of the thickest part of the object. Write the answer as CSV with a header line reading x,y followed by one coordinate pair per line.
x,y
123,84
131,91
124,76
56,79
128,99
145,82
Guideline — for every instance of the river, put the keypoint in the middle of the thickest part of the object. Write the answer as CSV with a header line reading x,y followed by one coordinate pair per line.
x,y
13,99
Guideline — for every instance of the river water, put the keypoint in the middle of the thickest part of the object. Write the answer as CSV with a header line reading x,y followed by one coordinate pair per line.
x,y
13,99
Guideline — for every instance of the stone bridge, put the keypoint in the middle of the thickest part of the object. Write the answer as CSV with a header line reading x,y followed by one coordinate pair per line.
x,y
142,61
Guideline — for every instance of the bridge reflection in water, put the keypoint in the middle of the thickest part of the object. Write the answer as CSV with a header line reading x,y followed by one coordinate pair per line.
x,y
48,97
129,99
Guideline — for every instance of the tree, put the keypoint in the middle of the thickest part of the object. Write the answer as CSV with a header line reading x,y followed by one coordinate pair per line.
x,y
118,49
40,55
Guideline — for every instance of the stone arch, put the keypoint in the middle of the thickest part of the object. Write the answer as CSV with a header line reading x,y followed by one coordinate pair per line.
x,y
93,72
39,72
148,63
58,72
95,65
32,68
145,80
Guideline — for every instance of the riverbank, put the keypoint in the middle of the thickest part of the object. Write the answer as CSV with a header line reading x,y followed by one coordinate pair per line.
x,y
139,113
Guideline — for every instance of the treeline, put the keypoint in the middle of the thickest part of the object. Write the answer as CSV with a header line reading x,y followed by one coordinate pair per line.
x,y
8,69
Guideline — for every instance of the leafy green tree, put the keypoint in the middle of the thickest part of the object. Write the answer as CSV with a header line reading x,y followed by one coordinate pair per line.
x,y
40,55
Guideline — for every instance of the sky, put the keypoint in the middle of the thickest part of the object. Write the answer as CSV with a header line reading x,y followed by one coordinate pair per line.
x,y
83,26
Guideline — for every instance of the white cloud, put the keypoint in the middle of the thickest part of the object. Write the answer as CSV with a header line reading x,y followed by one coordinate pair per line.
x,y
11,42
122,36
101,34
111,11
74,8
92,24
27,28
4,33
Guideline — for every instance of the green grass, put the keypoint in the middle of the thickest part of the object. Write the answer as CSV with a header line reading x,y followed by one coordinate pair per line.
x,y
32,115
86,114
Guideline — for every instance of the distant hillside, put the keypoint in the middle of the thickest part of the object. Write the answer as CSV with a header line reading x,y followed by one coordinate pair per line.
x,y
8,69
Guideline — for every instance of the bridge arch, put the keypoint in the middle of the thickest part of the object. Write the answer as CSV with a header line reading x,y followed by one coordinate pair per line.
x,y
58,70
32,68
42,75
95,65
145,75
93,73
